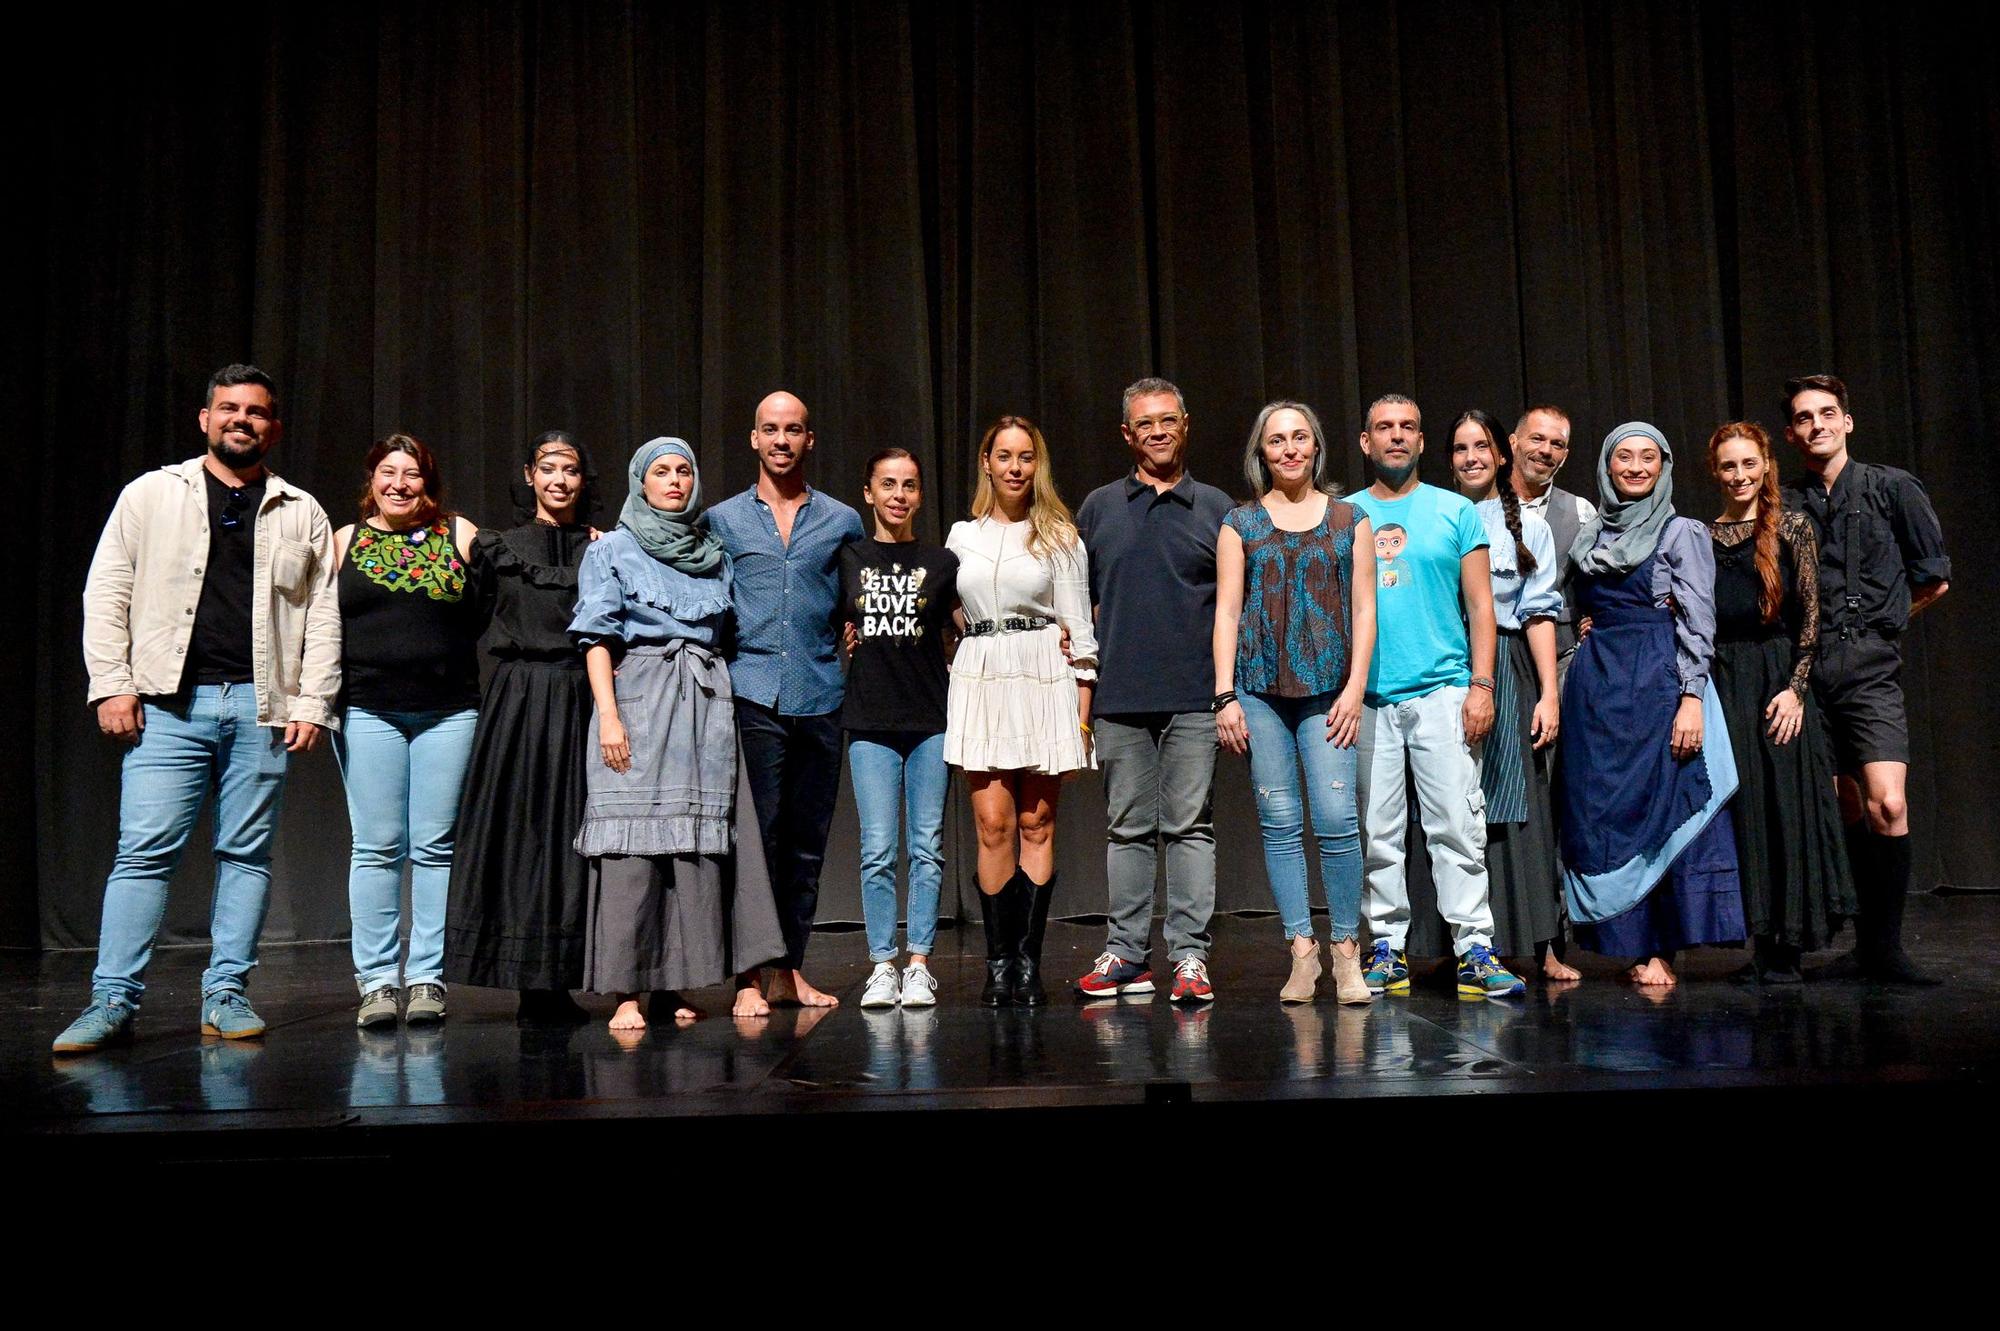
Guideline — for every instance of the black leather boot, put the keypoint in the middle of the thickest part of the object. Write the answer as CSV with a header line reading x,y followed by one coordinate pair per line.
x,y
999,988
1034,911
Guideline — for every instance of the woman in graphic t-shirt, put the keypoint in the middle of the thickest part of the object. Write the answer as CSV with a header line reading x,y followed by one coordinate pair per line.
x,y
897,594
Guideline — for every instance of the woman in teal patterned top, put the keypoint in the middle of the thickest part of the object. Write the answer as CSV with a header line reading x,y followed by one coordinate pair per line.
x,y
1294,632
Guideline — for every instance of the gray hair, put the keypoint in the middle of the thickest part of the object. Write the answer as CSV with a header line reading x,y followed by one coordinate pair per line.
x,y
1391,400
1258,472
1146,388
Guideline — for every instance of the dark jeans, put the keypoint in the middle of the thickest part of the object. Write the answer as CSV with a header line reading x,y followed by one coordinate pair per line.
x,y
794,766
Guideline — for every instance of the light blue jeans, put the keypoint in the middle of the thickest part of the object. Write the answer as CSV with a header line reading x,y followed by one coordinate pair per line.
x,y
1284,731
404,772
209,740
899,779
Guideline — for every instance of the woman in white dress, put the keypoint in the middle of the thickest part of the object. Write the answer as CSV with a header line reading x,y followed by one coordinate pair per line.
x,y
1018,713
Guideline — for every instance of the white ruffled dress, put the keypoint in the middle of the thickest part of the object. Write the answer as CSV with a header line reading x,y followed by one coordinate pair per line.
x,y
1013,699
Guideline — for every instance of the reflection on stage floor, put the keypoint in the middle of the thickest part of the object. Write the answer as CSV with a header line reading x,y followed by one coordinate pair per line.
x,y
315,1070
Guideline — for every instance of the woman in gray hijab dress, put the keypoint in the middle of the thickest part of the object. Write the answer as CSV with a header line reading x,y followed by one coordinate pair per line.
x,y
676,899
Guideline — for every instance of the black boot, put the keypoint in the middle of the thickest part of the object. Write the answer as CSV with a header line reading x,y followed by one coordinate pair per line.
x,y
1881,924
1034,919
1861,859
1776,962
999,988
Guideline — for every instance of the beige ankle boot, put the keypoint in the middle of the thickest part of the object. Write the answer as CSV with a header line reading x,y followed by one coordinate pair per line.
x,y
1348,986
1304,980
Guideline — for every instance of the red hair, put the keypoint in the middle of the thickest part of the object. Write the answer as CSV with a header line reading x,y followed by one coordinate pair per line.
x,y
1769,509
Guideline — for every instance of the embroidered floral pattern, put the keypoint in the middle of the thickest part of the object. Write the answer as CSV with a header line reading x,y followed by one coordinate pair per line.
x,y
410,561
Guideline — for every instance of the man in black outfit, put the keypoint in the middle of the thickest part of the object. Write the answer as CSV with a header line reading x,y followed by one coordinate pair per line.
x,y
1882,560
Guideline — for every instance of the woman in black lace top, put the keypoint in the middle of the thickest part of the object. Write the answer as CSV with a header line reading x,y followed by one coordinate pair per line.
x,y
1797,887
516,914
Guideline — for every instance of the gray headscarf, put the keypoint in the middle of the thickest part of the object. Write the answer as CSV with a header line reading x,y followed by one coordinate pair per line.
x,y
671,538
1635,524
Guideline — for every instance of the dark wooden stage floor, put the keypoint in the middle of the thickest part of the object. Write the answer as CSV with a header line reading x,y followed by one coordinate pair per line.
x,y
315,1087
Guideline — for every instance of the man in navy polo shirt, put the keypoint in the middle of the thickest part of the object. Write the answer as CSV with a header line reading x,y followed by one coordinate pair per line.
x,y
784,540
1151,537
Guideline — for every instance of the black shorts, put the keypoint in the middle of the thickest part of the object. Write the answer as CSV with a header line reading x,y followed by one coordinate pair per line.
x,y
1858,683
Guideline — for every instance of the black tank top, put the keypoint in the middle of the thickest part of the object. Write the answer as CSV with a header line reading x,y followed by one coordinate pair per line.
x,y
410,631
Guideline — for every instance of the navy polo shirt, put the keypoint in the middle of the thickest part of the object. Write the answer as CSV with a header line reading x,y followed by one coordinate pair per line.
x,y
1152,581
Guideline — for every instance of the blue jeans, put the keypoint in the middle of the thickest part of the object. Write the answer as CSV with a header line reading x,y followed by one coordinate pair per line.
x,y
404,772
1283,731
207,740
899,778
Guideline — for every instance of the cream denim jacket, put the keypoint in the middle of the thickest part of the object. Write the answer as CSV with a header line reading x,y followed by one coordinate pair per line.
x,y
145,582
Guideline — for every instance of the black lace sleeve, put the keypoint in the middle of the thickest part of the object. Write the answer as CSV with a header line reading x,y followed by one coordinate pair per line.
x,y
1795,529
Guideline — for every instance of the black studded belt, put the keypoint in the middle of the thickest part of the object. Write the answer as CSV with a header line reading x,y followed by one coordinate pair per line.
x,y
979,628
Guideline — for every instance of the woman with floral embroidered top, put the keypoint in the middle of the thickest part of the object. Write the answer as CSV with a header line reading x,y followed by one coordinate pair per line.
x,y
676,900
1797,887
517,884
1017,713
1294,632
410,634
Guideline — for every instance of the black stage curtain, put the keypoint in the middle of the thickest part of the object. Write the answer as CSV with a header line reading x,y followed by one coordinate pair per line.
x,y
477,221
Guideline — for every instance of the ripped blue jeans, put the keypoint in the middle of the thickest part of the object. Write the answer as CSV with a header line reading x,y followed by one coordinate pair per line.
x,y
1284,731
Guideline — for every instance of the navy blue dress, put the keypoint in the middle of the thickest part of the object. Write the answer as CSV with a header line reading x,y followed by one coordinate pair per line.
x,y
1649,857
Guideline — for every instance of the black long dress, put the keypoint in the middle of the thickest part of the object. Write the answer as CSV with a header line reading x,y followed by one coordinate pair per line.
x,y
1797,888
518,887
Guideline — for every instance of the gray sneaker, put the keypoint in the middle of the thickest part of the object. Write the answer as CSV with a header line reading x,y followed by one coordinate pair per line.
x,y
378,1008
107,1021
228,1014
919,987
882,989
426,1004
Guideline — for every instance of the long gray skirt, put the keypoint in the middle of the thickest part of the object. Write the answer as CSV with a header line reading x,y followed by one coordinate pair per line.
x,y
676,899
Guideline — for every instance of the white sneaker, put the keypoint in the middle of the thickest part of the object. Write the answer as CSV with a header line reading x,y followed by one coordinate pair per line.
x,y
919,987
884,990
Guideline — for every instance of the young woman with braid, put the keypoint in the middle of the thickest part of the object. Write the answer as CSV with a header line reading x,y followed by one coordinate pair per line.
x,y
1797,887
1515,762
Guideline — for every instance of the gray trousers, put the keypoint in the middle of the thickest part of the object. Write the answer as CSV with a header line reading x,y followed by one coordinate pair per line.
x,y
1159,771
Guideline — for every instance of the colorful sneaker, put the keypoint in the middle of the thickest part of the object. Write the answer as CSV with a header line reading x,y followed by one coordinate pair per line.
x,y
1110,976
883,988
919,987
107,1021
424,1005
228,1014
1387,971
1480,973
1191,982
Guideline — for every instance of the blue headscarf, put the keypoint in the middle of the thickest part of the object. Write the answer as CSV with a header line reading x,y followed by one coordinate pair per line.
x,y
1635,524
671,538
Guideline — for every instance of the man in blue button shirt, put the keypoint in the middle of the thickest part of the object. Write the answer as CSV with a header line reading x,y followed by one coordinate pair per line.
x,y
784,539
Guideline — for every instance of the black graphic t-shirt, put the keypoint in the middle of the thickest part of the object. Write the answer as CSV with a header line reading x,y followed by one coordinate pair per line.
x,y
900,597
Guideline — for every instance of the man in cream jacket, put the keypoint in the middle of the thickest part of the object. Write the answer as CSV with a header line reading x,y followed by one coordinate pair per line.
x,y
211,631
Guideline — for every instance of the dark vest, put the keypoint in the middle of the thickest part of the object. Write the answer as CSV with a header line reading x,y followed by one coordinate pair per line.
x,y
1563,525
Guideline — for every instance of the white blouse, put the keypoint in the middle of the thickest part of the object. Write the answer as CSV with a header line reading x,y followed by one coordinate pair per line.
x,y
998,578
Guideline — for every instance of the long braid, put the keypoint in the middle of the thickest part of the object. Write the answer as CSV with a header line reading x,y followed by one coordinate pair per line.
x,y
1771,597
1510,508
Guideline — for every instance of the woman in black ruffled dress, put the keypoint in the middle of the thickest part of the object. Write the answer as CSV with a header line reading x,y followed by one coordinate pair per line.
x,y
518,887
1797,887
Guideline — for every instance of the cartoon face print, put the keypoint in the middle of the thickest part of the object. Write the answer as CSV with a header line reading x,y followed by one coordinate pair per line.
x,y
1390,542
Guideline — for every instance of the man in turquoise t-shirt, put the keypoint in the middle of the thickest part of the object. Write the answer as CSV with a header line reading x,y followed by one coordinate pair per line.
x,y
1429,702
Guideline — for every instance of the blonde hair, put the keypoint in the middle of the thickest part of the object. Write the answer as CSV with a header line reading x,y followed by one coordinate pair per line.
x,y
1050,527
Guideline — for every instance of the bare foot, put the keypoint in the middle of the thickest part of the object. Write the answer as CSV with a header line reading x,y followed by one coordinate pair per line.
x,y
790,986
749,1003
1555,969
685,1013
628,1017
1653,972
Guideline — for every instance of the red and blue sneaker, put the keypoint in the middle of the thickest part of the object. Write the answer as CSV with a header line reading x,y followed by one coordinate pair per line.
x,y
1191,982
1112,975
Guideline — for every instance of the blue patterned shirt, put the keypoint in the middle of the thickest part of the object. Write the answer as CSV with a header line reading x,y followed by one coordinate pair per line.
x,y
787,598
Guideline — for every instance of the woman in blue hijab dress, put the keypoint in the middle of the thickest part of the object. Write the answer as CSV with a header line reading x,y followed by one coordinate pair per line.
x,y
677,900
1649,857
